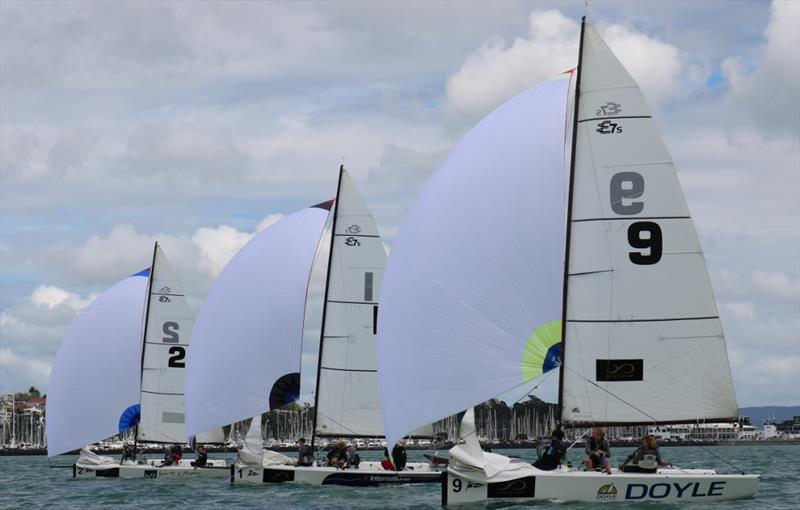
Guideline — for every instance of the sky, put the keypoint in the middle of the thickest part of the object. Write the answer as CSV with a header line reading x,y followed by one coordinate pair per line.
x,y
198,124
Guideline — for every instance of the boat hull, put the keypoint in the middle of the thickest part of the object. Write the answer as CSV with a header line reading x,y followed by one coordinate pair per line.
x,y
218,469
369,474
671,486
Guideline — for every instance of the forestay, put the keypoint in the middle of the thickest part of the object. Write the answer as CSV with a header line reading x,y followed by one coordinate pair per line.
x,y
169,330
249,330
93,391
644,342
474,283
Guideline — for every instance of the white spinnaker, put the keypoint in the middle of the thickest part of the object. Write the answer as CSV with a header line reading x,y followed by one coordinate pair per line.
x,y
216,435
477,266
249,329
95,376
252,450
166,342
347,403
647,323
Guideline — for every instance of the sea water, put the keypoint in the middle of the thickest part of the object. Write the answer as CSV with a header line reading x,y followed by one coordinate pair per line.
x,y
31,483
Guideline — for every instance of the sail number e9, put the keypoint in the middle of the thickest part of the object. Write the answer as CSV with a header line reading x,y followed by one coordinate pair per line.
x,y
644,235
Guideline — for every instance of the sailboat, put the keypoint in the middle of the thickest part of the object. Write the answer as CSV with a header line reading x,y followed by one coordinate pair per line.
x,y
556,235
121,367
268,279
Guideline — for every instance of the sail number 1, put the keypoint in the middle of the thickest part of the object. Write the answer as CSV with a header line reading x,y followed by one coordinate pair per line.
x,y
644,235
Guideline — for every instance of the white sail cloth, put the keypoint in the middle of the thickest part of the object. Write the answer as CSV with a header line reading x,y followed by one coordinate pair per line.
x,y
469,461
88,457
249,330
96,374
169,330
477,267
644,342
347,403
251,451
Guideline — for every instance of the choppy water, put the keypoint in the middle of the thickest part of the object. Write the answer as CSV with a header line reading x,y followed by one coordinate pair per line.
x,y
30,483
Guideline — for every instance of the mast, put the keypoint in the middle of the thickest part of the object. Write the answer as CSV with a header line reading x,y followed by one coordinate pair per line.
x,y
325,307
576,108
144,339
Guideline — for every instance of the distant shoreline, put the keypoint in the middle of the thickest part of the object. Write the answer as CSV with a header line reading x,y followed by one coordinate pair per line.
x,y
22,452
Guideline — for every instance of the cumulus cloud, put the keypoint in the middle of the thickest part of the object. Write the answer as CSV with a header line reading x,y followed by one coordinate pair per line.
x,y
218,245
743,311
52,296
35,371
499,70
776,284
269,220
769,93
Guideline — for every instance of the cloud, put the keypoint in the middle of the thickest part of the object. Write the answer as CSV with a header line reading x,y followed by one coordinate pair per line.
x,y
185,154
269,220
743,311
52,296
499,70
776,284
33,371
768,94
218,245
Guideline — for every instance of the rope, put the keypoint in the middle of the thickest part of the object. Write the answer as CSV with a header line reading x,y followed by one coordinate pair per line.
x,y
731,464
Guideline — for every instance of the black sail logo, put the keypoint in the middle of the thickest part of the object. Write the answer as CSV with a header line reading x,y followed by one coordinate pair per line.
x,y
620,370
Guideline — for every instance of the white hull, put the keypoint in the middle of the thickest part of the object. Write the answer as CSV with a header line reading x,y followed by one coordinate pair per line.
x,y
668,485
368,474
151,469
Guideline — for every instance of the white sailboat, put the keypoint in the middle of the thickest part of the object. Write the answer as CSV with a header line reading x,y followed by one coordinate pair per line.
x,y
582,255
346,396
140,329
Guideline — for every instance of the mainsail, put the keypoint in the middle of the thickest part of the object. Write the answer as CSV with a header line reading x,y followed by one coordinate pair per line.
x,y
93,392
167,335
475,284
347,383
644,342
246,349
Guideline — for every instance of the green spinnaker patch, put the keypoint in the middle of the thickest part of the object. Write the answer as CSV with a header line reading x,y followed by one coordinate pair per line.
x,y
540,341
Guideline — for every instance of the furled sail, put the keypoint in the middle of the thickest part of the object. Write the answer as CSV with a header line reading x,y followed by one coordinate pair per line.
x,y
643,342
249,329
169,329
474,284
93,392
347,399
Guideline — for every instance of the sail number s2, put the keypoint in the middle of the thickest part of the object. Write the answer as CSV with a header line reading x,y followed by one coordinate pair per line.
x,y
177,354
644,235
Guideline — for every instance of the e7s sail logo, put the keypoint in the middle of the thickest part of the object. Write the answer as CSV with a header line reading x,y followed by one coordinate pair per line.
x,y
607,128
607,492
